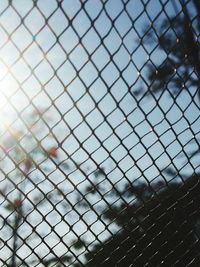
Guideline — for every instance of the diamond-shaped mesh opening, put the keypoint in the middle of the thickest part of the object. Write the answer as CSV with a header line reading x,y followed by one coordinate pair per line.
x,y
99,133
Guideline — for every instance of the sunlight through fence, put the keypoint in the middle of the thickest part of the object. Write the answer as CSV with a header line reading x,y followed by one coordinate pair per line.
x,y
99,133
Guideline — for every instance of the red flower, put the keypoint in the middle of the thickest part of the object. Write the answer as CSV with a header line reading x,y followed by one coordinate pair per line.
x,y
53,152
17,203
27,165
14,205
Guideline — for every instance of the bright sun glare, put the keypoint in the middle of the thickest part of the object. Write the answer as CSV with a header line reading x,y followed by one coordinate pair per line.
x,y
7,90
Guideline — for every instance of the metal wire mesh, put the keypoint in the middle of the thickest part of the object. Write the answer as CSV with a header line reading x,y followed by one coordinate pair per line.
x,y
99,135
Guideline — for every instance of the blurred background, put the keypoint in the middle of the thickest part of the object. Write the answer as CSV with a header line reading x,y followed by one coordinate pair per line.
x,y
99,132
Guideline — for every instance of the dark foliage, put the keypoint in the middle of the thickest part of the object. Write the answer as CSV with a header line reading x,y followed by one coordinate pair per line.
x,y
161,227
177,39
158,229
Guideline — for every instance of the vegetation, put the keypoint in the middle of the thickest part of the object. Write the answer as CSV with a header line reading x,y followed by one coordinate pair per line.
x,y
158,225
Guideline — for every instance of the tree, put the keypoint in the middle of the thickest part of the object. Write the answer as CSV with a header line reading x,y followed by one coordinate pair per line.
x,y
177,40
176,70
160,227
20,150
30,194
157,225
33,193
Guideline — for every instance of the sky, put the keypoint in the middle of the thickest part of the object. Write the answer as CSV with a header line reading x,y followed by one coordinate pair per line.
x,y
79,62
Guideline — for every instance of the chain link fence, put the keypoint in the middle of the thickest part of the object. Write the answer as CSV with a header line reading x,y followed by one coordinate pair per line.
x,y
99,133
